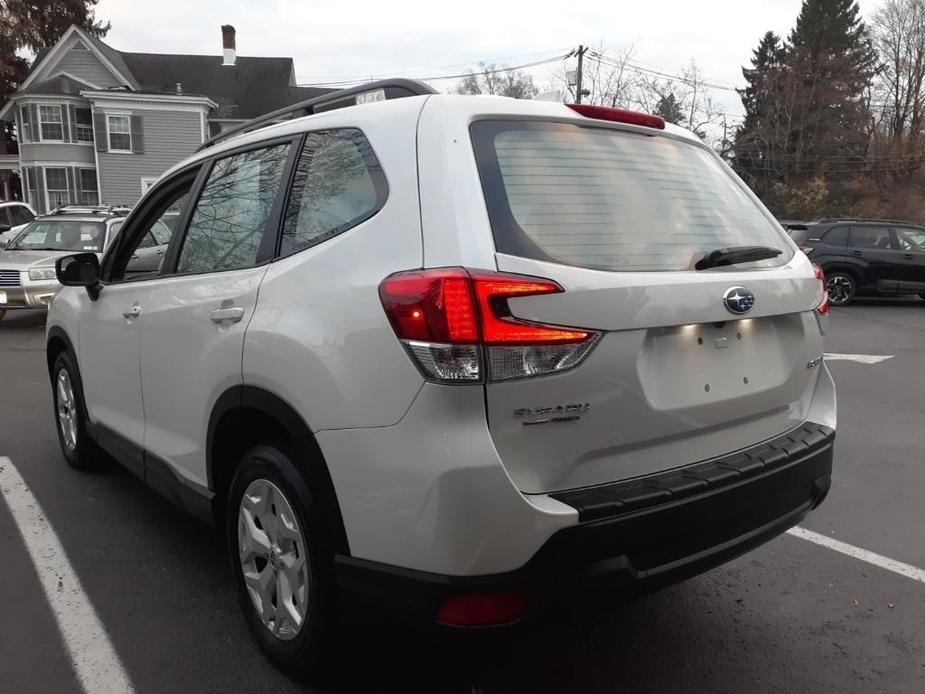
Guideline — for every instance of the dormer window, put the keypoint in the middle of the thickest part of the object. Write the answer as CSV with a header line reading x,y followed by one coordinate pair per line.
x,y
51,123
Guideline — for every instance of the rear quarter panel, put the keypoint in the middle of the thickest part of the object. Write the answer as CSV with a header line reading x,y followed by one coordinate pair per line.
x,y
319,338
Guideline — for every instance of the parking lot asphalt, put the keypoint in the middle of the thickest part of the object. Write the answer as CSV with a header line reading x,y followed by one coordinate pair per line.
x,y
791,616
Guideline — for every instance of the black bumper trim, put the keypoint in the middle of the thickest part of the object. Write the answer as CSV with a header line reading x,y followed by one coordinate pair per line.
x,y
614,499
617,557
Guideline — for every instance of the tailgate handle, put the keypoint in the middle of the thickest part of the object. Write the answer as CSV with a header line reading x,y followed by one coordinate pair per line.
x,y
232,314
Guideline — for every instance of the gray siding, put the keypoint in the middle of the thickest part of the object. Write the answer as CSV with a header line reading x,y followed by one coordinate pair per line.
x,y
169,137
87,67
56,152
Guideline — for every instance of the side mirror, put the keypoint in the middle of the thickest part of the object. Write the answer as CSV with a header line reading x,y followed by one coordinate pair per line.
x,y
4,227
80,270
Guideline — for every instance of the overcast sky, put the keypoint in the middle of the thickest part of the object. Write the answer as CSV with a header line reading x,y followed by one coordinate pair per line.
x,y
332,40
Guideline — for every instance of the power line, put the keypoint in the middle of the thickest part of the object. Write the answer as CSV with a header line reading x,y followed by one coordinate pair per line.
x,y
629,65
398,73
436,78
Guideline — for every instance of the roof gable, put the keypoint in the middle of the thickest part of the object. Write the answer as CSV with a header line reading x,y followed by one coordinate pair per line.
x,y
110,59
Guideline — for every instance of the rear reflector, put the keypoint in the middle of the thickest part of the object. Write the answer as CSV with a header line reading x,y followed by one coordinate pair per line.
x,y
449,318
619,115
483,609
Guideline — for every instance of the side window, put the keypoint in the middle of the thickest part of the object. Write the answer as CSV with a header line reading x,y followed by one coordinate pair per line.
x,y
145,255
230,217
6,218
338,184
21,215
836,237
871,237
911,240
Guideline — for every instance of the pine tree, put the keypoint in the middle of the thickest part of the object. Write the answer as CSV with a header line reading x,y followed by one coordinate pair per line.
x,y
758,136
833,62
669,108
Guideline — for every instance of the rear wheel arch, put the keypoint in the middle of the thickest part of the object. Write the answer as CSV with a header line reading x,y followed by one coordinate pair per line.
x,y
246,416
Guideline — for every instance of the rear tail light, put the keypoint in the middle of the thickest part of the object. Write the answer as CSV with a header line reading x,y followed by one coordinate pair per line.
x,y
456,324
823,307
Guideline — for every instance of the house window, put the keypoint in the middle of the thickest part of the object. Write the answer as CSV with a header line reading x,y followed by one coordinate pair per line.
x,y
89,193
84,124
120,133
52,127
31,197
25,118
56,187
146,184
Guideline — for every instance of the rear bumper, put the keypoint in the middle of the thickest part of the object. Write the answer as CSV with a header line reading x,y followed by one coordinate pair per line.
x,y
633,538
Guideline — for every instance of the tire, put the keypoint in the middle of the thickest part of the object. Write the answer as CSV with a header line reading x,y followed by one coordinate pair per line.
x,y
282,505
80,451
841,286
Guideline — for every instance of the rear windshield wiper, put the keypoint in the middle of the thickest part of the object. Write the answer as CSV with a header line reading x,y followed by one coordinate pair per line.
x,y
735,255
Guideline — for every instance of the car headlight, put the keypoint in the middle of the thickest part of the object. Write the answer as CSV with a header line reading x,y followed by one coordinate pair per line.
x,y
38,274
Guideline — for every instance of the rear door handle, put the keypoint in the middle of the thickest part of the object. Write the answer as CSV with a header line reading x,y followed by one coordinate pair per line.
x,y
232,314
908,256
856,253
133,312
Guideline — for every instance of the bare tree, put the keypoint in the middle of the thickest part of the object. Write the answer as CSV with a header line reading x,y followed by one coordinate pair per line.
x,y
692,105
898,33
502,81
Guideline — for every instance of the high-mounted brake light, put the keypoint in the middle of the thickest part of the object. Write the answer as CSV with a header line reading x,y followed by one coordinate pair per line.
x,y
619,115
452,319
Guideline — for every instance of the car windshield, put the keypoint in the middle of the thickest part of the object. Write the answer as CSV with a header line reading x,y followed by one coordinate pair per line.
x,y
60,235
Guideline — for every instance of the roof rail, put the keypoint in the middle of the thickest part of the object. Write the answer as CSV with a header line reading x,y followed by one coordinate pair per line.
x,y
829,220
119,210
382,90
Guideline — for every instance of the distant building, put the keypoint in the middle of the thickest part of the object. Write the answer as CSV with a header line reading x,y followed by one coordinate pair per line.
x,y
97,125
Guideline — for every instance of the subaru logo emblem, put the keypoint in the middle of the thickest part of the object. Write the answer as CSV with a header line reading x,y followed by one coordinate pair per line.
x,y
738,300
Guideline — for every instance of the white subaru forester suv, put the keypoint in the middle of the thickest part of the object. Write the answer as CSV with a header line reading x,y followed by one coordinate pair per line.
x,y
464,360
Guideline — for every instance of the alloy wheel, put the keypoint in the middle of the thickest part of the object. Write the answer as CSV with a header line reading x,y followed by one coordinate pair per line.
x,y
67,410
274,560
840,289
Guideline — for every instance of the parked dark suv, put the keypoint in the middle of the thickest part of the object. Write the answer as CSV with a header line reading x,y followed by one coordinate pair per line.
x,y
865,256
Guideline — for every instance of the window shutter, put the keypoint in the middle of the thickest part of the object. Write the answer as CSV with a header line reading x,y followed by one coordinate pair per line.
x,y
138,135
36,126
39,189
99,132
24,177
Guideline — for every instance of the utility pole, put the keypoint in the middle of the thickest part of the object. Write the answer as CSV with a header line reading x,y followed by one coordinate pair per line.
x,y
581,54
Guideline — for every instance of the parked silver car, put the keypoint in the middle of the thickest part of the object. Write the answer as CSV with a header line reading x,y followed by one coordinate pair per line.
x,y
27,264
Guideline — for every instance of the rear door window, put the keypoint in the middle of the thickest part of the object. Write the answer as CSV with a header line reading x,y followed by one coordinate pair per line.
x,y
612,200
229,221
5,218
836,237
871,237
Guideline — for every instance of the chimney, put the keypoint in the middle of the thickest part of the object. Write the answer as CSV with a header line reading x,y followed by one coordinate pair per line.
x,y
228,45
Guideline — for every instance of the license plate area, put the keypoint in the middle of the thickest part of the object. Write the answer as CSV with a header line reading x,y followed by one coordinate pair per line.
x,y
702,364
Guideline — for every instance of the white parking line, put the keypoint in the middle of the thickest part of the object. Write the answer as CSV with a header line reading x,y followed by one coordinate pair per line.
x,y
860,358
897,567
95,661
